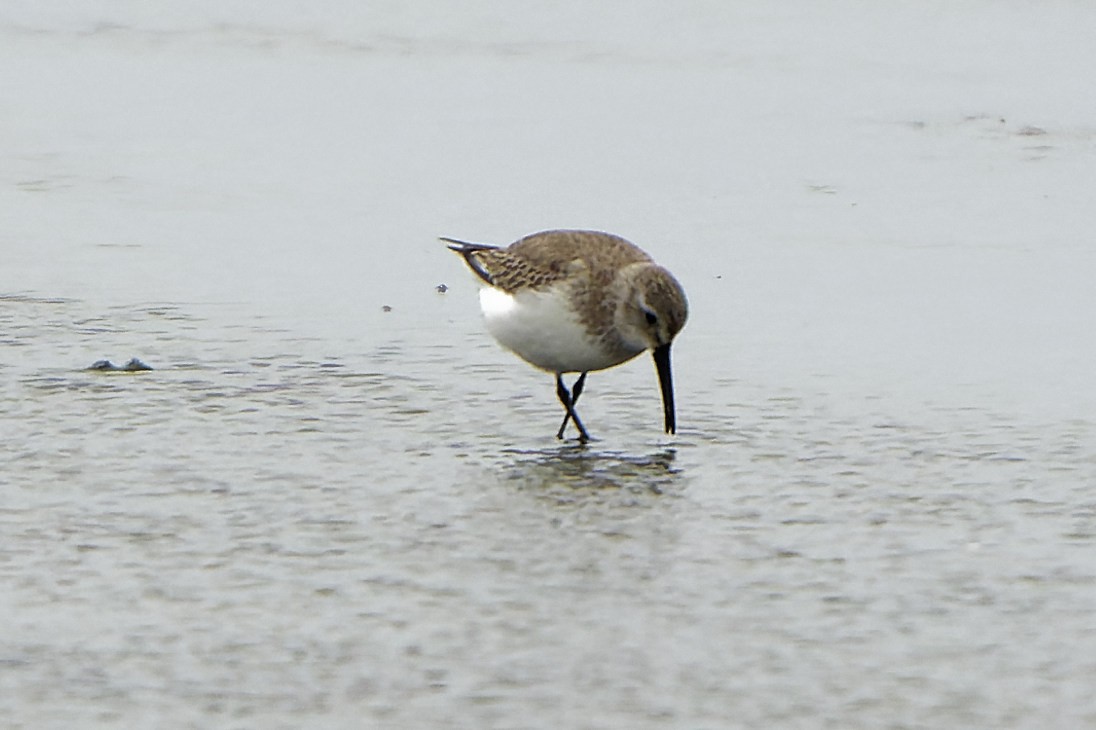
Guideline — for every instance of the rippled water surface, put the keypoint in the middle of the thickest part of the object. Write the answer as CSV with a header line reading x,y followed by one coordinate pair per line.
x,y
335,503
242,536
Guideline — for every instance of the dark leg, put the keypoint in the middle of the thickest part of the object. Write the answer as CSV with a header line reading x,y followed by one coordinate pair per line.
x,y
575,393
568,401
576,389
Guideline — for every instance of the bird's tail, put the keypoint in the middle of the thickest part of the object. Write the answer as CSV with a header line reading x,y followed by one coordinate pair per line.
x,y
468,251
466,247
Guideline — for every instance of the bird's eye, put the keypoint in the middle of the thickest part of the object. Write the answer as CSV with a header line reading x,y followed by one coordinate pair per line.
x,y
652,318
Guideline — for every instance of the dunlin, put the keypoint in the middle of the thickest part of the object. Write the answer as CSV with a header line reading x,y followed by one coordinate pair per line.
x,y
576,301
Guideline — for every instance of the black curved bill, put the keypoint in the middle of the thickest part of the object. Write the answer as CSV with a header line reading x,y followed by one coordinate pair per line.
x,y
666,382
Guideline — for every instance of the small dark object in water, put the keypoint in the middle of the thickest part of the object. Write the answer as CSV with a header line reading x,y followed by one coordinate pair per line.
x,y
441,288
386,308
133,366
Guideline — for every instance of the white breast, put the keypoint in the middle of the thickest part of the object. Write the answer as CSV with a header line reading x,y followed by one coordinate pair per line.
x,y
541,329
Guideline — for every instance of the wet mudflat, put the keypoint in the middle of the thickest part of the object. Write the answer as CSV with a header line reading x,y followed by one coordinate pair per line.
x,y
334,502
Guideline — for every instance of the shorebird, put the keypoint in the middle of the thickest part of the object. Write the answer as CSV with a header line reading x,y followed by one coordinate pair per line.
x,y
576,301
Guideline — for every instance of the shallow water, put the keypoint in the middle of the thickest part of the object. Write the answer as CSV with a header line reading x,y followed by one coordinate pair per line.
x,y
246,537
313,512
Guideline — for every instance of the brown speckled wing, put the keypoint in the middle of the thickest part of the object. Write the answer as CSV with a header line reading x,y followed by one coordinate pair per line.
x,y
553,255
511,272
540,259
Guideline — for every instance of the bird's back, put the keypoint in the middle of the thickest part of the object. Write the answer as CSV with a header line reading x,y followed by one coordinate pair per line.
x,y
555,254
